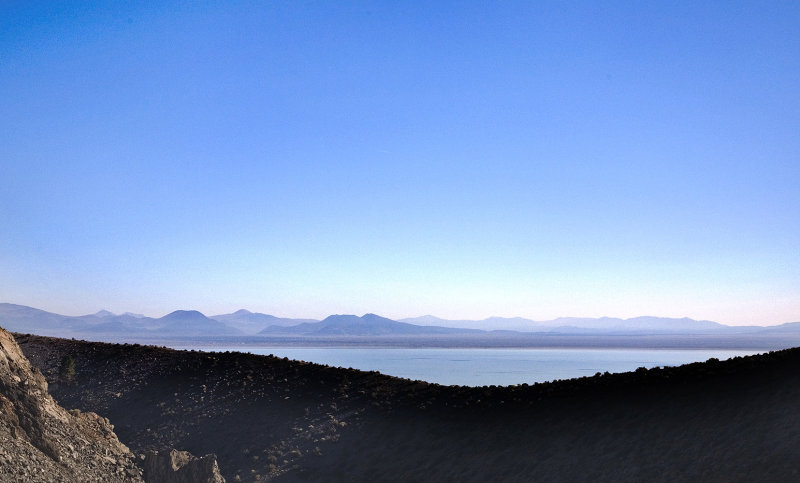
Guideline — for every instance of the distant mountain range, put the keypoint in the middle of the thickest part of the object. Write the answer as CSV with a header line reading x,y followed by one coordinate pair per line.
x,y
369,324
252,323
20,318
574,324
191,323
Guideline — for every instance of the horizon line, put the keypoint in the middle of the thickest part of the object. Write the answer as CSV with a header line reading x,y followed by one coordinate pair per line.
x,y
129,312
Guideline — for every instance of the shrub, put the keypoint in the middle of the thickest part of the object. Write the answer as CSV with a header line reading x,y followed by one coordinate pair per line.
x,y
67,368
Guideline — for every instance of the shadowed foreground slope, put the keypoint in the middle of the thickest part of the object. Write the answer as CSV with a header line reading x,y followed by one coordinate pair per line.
x,y
42,442
272,419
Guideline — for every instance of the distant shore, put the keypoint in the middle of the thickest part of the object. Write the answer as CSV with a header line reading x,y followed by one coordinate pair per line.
x,y
760,342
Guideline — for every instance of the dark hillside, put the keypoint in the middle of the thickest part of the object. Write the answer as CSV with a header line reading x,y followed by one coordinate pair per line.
x,y
41,442
269,418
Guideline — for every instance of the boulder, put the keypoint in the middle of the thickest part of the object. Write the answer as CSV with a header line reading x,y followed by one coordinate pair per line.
x,y
180,467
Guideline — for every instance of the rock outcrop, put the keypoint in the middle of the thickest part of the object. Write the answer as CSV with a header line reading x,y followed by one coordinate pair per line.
x,y
42,442
180,467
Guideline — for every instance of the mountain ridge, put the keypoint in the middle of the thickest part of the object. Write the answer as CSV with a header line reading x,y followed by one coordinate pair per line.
x,y
193,323
253,322
522,324
368,324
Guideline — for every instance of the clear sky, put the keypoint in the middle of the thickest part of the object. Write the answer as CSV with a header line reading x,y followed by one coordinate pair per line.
x,y
465,159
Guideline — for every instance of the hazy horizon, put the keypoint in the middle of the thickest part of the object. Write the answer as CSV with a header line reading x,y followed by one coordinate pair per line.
x,y
302,317
467,160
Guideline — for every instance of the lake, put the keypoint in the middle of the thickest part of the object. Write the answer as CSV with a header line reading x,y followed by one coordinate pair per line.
x,y
483,367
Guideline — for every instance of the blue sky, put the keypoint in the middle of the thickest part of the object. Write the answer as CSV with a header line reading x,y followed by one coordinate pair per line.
x,y
535,159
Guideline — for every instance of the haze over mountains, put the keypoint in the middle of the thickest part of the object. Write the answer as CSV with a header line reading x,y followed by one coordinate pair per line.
x,y
252,323
369,324
243,323
570,324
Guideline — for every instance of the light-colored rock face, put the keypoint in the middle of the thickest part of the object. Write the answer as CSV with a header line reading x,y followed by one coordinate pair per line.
x,y
42,442
181,467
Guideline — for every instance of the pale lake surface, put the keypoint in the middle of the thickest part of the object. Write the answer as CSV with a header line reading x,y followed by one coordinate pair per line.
x,y
484,367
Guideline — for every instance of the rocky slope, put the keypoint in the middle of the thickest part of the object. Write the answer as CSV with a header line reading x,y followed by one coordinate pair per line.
x,y
273,419
43,442
180,467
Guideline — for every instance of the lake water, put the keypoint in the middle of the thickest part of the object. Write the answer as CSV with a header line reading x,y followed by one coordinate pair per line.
x,y
483,367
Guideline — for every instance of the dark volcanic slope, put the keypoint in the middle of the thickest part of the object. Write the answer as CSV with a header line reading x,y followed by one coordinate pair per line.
x,y
42,442
268,418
